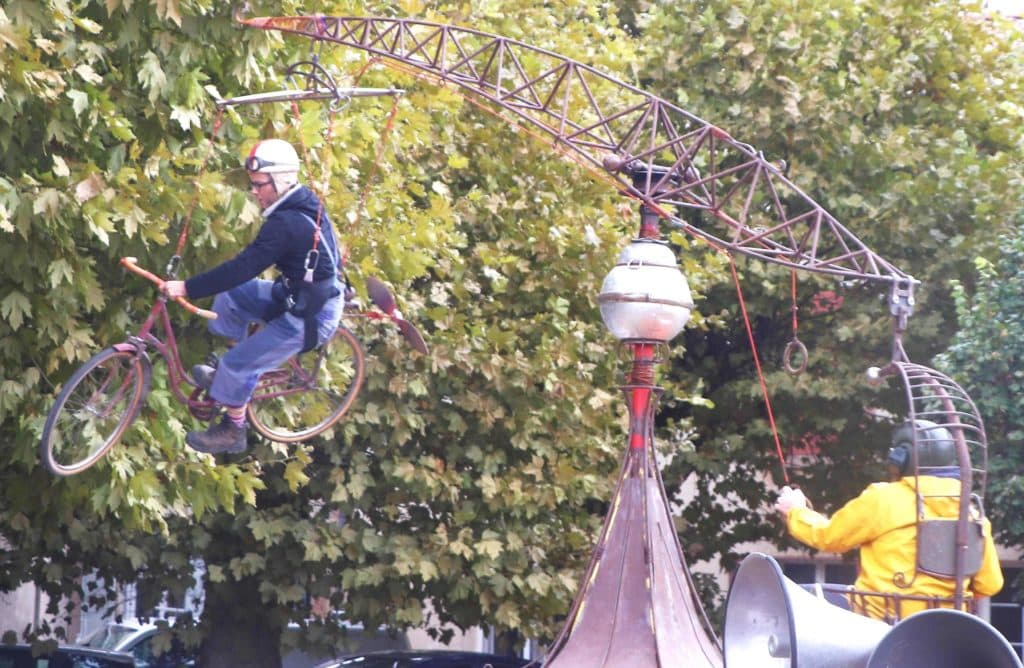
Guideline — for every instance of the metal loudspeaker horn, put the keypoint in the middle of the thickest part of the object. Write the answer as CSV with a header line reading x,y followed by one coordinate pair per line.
x,y
772,622
943,639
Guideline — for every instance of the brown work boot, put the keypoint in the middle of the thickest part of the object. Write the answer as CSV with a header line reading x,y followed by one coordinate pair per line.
x,y
223,437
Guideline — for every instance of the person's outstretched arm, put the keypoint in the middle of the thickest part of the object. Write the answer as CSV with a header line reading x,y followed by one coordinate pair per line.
x,y
852,525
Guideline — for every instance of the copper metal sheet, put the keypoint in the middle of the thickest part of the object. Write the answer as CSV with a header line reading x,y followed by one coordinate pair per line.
x,y
636,606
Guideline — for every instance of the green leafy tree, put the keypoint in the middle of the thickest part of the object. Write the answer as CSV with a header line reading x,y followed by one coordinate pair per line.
x,y
468,477
986,357
901,119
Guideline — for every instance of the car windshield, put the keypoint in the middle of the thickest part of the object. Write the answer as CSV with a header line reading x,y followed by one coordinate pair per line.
x,y
111,637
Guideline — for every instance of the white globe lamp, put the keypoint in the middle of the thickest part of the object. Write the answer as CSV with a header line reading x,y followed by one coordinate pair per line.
x,y
645,296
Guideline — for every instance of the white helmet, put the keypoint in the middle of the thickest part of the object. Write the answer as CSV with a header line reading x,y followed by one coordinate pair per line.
x,y
277,158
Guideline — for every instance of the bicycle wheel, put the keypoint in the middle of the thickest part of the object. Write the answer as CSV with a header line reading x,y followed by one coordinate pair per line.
x,y
310,392
96,406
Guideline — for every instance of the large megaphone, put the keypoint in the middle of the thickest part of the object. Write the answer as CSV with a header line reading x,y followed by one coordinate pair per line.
x,y
772,622
943,638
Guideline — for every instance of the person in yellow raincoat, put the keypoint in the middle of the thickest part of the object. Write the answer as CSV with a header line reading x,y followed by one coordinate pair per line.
x,y
882,522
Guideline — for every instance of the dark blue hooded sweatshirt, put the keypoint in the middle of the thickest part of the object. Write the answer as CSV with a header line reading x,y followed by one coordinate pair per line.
x,y
283,241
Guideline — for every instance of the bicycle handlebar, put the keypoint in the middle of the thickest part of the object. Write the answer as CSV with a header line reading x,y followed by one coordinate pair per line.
x,y
132,265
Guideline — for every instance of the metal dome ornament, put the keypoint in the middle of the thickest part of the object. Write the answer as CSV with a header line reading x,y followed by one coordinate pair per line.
x,y
645,296
637,604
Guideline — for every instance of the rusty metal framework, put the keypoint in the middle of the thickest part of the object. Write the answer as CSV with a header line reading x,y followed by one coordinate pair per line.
x,y
942,545
693,173
637,603
309,81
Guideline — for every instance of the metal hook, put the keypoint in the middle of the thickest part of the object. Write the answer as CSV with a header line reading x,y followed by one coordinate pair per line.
x,y
340,102
172,266
901,302
312,258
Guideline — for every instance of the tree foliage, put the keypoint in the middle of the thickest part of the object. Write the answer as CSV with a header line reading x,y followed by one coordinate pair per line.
x,y
471,476
903,120
986,357
468,477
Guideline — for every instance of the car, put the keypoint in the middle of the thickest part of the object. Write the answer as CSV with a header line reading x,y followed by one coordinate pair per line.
x,y
137,638
437,658
357,639
64,656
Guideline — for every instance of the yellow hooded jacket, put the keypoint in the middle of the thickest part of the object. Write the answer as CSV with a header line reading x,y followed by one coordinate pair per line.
x,y
882,523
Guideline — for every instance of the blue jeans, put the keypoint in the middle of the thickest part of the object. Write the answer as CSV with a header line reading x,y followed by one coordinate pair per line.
x,y
274,343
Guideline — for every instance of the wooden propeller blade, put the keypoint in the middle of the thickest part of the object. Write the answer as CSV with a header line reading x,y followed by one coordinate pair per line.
x,y
380,295
412,335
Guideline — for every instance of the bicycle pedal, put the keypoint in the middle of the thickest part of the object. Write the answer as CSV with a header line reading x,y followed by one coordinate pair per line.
x,y
201,408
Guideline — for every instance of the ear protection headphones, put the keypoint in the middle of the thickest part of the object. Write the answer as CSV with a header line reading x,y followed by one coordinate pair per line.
x,y
899,456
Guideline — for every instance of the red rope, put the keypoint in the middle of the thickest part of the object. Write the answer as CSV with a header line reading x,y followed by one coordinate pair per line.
x,y
297,114
375,167
362,70
321,192
598,174
202,170
760,372
792,290
389,125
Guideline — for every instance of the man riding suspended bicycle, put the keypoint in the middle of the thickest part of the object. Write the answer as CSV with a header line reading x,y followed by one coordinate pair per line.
x,y
300,309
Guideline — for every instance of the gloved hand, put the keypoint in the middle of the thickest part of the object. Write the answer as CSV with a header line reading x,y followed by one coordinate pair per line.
x,y
789,499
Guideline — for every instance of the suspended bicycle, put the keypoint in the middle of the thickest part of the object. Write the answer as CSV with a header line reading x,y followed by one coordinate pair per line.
x,y
301,399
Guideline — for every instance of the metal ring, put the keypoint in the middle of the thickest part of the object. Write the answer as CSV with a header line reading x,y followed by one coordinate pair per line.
x,y
787,357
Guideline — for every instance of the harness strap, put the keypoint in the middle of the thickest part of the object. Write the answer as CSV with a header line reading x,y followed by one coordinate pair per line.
x,y
303,300
314,254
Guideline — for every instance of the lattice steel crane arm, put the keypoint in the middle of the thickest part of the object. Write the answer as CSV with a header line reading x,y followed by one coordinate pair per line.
x,y
668,158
